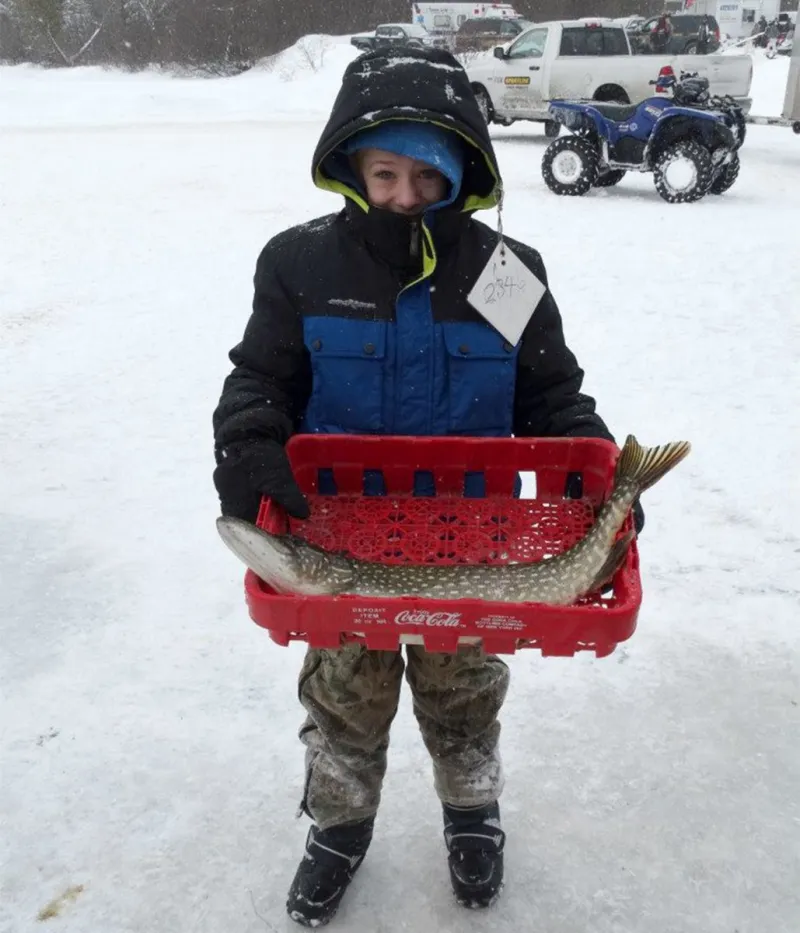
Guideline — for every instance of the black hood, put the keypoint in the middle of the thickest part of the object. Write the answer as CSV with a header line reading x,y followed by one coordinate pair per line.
x,y
397,83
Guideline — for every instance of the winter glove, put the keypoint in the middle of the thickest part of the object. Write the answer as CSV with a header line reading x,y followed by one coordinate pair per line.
x,y
638,516
248,470
574,490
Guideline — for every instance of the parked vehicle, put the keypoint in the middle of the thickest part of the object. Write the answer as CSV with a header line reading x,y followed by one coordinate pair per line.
x,y
585,61
685,36
630,24
410,34
478,35
443,20
688,140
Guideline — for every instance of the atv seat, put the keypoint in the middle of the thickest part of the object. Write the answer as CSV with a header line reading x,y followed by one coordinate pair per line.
x,y
616,112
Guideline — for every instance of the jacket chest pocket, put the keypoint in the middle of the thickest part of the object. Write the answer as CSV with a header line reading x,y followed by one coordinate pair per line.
x,y
348,360
482,375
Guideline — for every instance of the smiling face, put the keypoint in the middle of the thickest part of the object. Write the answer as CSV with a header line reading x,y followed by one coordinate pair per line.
x,y
398,183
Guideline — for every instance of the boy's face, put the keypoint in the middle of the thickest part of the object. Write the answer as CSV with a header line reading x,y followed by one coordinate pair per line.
x,y
398,183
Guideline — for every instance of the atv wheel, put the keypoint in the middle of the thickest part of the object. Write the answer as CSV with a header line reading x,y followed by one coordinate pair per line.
x,y
727,176
552,128
683,172
569,165
609,178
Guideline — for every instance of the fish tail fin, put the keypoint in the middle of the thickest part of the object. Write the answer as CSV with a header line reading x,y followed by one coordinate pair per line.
x,y
645,466
613,561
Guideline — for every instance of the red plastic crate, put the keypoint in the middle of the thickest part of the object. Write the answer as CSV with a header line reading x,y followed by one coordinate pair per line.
x,y
448,528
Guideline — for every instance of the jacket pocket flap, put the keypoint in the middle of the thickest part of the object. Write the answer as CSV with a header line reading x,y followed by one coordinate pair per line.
x,y
477,341
336,337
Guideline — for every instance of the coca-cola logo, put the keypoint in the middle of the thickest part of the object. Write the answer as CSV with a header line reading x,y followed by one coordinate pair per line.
x,y
430,619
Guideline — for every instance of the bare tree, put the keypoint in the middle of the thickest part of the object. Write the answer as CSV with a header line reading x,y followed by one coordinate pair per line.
x,y
312,50
218,36
57,31
80,23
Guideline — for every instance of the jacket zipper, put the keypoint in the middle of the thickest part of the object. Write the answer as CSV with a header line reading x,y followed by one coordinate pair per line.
x,y
414,246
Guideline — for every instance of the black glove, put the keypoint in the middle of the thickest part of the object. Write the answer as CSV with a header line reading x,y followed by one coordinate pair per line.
x,y
248,470
638,516
574,490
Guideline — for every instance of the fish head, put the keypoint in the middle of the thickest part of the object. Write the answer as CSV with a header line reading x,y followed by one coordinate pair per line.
x,y
286,563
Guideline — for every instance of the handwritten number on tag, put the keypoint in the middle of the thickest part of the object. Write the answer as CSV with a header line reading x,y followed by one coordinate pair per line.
x,y
497,290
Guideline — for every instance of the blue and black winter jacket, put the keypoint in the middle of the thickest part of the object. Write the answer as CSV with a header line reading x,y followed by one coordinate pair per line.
x,y
360,319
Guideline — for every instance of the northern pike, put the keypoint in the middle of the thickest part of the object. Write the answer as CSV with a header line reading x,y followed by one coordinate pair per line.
x,y
289,564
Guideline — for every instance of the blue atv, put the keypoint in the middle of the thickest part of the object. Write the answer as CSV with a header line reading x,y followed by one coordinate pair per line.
x,y
689,140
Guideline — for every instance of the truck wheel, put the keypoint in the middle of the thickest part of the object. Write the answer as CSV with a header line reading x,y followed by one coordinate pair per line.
x,y
683,172
796,128
569,165
609,178
484,104
552,128
611,94
727,176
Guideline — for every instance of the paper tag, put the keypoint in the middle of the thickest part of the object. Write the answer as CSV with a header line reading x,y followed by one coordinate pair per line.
x,y
506,293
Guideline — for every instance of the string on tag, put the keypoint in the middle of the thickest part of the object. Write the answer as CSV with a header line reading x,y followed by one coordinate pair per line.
x,y
500,241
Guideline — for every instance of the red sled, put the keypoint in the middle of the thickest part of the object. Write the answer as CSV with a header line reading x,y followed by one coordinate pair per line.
x,y
444,529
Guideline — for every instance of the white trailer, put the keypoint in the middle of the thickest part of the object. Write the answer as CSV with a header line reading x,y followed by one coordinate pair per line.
x,y
736,18
791,103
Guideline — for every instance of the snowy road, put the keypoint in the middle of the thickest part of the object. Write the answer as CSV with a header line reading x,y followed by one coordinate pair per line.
x,y
149,770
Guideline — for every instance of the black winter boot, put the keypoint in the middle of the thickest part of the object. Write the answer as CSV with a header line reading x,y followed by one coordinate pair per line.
x,y
475,842
329,863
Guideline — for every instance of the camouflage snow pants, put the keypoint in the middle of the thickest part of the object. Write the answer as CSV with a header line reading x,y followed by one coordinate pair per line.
x,y
351,697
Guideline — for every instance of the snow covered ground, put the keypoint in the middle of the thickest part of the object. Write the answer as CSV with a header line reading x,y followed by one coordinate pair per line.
x,y
149,769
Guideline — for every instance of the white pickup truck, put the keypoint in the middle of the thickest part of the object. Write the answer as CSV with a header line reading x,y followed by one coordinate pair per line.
x,y
586,61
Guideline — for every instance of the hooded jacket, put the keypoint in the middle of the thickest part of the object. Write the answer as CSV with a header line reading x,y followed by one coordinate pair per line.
x,y
360,319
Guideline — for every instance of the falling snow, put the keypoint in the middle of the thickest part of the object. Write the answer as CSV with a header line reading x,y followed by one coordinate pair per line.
x,y
150,762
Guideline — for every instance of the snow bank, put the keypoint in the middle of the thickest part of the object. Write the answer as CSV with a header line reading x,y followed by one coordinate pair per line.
x,y
302,80
311,55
